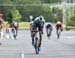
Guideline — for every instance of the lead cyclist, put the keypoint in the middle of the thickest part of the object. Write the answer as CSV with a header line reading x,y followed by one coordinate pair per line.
x,y
38,23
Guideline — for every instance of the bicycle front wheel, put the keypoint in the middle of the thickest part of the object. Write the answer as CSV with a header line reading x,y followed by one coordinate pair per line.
x,y
36,46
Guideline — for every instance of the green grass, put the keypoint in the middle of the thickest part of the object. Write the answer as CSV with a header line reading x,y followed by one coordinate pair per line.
x,y
5,24
22,25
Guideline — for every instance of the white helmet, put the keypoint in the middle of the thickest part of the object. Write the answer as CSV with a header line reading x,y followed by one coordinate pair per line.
x,y
58,22
31,17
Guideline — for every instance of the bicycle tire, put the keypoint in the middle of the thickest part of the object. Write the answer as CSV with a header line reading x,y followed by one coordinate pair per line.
x,y
14,36
58,34
36,46
49,34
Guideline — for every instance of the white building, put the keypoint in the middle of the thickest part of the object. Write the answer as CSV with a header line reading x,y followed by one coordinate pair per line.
x,y
68,1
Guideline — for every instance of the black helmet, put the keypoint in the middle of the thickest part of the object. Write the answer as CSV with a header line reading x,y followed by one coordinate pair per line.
x,y
40,17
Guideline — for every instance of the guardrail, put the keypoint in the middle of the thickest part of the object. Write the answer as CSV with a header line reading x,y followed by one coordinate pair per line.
x,y
70,27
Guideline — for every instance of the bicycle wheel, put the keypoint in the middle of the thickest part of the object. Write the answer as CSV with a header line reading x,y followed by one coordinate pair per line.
x,y
58,34
36,46
49,34
14,33
14,36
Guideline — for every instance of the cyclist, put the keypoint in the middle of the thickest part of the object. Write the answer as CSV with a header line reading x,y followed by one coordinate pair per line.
x,y
1,22
15,26
38,23
49,28
59,26
7,28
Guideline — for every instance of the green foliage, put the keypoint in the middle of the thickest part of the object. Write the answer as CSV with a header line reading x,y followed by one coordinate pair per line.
x,y
71,22
10,17
23,25
26,1
51,1
26,11
72,18
16,15
56,14
13,15
22,13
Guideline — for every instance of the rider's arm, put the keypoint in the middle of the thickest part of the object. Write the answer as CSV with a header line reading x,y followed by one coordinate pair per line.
x,y
30,25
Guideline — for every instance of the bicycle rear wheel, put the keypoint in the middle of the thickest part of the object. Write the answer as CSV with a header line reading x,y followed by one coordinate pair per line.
x,y
49,34
58,34
14,33
14,36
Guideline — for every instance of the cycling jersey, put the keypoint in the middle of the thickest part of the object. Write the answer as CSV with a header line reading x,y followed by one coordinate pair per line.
x,y
14,24
59,26
48,25
38,23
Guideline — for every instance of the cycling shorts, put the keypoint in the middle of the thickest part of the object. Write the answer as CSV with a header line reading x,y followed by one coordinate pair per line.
x,y
58,26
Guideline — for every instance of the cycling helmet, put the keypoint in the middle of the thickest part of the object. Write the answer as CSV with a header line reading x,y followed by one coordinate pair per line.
x,y
58,22
31,18
41,17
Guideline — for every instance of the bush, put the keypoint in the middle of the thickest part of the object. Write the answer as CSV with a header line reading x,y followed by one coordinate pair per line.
x,y
70,23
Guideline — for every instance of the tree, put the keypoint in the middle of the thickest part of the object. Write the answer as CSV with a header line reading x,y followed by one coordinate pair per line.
x,y
25,8
16,15
51,1
9,17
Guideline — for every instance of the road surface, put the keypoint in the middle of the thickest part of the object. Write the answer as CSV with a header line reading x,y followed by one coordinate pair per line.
x,y
51,48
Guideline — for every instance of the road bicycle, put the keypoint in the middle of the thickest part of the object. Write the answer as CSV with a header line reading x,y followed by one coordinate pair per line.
x,y
37,41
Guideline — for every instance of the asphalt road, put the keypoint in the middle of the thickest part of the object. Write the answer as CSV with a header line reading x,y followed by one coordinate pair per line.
x,y
51,48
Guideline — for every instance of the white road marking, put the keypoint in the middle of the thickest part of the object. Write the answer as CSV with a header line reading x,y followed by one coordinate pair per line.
x,y
69,37
22,55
